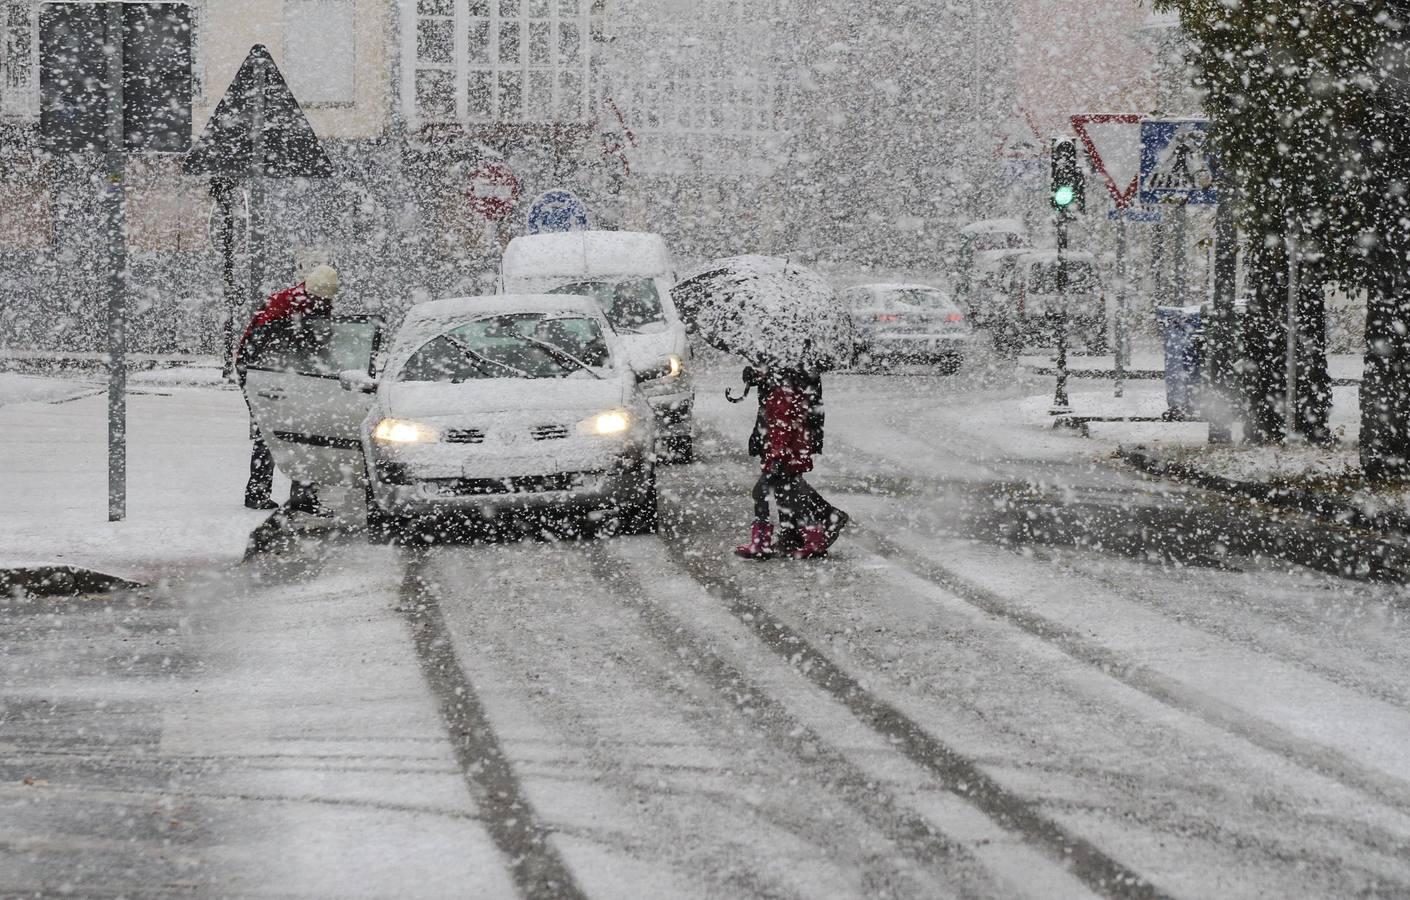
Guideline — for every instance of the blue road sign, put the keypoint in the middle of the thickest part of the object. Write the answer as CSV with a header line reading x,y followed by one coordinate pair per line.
x,y
1177,162
1138,216
558,211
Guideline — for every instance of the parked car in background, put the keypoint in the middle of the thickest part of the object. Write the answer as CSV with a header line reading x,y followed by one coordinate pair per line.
x,y
988,296
981,244
630,275
907,323
1026,313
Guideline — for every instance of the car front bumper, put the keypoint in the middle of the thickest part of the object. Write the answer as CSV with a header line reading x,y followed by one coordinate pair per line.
x,y
491,496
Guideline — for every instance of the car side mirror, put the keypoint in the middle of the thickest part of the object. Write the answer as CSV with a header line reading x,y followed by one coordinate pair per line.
x,y
357,381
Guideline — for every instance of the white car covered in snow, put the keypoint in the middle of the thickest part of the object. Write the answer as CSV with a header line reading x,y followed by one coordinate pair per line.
x,y
907,323
630,275
484,405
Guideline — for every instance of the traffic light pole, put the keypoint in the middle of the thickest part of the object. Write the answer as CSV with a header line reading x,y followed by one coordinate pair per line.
x,y
1121,339
1060,404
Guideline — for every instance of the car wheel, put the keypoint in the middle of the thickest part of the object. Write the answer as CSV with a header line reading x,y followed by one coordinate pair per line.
x,y
679,450
382,526
639,515
949,365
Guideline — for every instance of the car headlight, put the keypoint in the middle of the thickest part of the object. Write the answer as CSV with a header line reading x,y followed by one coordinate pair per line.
x,y
614,421
404,431
676,367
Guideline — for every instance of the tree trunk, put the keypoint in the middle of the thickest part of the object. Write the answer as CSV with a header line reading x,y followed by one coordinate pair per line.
x,y
1262,368
1314,382
1385,387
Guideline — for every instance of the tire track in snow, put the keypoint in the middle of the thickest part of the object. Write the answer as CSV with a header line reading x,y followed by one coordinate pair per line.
x,y
955,772
916,838
1161,688
515,828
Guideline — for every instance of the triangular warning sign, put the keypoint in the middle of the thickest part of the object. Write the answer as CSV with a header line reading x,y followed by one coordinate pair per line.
x,y
1113,144
291,149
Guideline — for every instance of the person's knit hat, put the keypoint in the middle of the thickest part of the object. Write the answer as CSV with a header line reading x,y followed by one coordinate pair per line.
x,y
322,282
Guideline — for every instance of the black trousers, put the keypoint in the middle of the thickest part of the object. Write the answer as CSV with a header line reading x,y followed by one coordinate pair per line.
x,y
302,495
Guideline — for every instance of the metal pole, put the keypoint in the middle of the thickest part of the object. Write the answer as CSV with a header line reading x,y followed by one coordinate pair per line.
x,y
224,190
976,147
255,176
1224,328
113,203
1180,257
1060,404
1123,349
1290,404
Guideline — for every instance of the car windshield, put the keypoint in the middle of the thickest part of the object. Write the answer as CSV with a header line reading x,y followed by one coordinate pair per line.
x,y
922,297
515,345
630,306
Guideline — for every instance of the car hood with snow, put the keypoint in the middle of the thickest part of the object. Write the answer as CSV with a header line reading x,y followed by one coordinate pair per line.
x,y
503,396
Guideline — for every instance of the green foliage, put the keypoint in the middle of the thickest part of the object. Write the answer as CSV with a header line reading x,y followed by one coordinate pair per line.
x,y
1288,87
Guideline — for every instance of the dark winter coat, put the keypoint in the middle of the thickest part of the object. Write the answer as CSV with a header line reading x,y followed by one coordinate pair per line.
x,y
788,447
811,386
281,306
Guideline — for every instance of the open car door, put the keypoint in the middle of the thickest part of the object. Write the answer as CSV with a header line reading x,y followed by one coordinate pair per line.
x,y
311,423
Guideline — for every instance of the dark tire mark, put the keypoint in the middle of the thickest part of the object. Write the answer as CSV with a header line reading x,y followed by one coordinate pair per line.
x,y
506,812
1165,690
955,773
912,834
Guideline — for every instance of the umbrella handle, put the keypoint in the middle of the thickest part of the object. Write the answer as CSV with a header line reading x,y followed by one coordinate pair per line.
x,y
740,398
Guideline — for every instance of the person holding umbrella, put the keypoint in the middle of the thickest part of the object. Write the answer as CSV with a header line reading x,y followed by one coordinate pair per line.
x,y
786,455
788,322
801,495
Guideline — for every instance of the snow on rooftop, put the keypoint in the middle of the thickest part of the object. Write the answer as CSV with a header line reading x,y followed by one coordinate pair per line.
x,y
579,253
995,226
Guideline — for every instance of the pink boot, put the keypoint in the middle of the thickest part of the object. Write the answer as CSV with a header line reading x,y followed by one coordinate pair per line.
x,y
814,544
761,543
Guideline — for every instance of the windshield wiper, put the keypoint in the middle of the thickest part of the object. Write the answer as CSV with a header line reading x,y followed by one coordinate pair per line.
x,y
480,358
561,354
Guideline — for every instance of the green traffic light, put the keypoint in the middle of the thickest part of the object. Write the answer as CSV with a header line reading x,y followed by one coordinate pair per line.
x,y
1065,195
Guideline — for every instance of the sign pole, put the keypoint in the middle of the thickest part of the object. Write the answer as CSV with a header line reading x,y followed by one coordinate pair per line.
x,y
1224,327
113,207
1060,403
1290,404
255,174
223,191
1122,339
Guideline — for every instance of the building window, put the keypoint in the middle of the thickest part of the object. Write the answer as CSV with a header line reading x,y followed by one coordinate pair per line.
x,y
319,51
19,59
512,61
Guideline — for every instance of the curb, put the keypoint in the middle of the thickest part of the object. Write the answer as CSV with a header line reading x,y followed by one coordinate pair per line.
x,y
1280,495
60,581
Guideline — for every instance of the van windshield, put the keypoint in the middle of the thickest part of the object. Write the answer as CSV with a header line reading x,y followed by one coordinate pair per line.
x,y
1080,277
632,306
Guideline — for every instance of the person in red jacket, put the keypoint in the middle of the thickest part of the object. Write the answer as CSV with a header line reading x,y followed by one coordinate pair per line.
x,y
787,447
311,297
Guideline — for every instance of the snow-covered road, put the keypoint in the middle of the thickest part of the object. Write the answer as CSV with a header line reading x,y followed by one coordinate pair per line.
x,y
1022,673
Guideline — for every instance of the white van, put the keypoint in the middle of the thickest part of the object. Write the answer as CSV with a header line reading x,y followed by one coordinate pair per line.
x,y
630,274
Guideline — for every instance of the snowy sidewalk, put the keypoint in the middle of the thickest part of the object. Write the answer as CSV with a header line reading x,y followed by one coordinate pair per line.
x,y
188,456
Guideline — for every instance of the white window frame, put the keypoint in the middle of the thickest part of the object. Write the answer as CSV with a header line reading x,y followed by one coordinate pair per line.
x,y
23,104
462,65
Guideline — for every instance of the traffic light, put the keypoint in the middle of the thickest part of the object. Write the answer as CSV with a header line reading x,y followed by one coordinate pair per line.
x,y
1069,190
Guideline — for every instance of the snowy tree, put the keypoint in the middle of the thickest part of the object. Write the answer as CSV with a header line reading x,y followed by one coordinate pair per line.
x,y
1287,87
